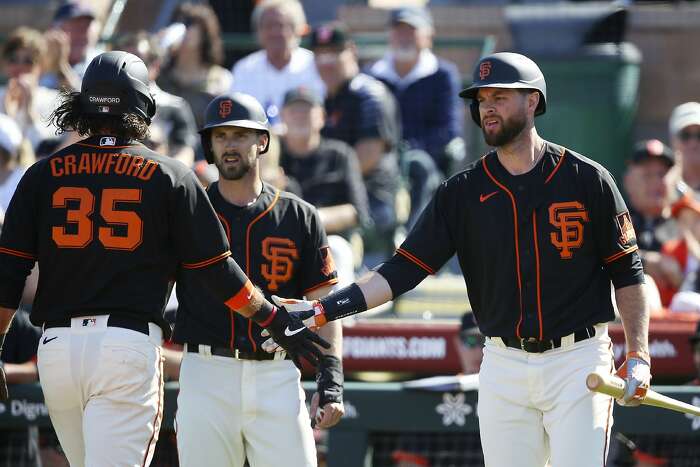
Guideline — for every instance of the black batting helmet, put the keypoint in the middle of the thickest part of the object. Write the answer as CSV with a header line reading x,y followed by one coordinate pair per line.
x,y
115,83
235,109
506,70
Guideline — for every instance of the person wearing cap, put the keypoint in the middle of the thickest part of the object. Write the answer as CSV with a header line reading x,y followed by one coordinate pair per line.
x,y
426,88
73,40
363,113
23,97
695,349
239,397
470,344
542,235
328,175
646,181
684,130
281,64
10,170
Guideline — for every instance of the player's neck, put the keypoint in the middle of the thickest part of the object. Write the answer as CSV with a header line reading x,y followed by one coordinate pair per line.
x,y
522,154
243,191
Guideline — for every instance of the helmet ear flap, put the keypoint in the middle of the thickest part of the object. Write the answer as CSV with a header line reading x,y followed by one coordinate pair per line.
x,y
206,146
474,110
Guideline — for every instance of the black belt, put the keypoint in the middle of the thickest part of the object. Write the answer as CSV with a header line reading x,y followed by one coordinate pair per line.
x,y
235,353
114,321
532,345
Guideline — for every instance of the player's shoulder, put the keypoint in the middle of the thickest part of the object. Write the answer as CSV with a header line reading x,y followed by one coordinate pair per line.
x,y
581,165
287,199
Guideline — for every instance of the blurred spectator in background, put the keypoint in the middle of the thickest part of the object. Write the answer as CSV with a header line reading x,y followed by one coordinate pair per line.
x,y
470,345
194,70
23,98
281,65
426,88
174,124
695,349
684,296
72,42
625,453
20,447
403,458
10,170
362,112
684,129
328,174
646,183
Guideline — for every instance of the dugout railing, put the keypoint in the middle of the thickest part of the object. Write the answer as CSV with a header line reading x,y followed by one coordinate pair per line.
x,y
384,418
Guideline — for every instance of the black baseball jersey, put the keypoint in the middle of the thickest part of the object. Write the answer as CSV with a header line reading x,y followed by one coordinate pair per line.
x,y
282,246
537,250
109,222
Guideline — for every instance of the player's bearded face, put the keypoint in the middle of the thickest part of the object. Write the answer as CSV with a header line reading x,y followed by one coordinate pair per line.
x,y
235,151
508,118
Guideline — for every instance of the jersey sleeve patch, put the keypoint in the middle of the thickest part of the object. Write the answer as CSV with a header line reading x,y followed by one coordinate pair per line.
x,y
327,263
625,228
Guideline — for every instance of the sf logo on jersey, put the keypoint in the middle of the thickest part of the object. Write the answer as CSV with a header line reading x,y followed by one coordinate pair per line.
x,y
568,217
280,252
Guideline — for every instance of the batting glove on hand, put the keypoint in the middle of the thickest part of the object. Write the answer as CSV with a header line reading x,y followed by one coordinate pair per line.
x,y
299,342
309,312
636,371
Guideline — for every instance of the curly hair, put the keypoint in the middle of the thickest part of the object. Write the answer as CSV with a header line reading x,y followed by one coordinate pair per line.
x,y
212,48
70,116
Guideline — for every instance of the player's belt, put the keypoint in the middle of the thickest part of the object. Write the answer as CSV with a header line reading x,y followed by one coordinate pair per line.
x,y
115,321
235,353
532,345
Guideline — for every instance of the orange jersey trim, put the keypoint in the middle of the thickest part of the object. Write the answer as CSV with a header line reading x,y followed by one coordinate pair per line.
x,y
207,262
318,286
415,260
242,297
17,253
620,254
517,247
250,226
537,268
556,167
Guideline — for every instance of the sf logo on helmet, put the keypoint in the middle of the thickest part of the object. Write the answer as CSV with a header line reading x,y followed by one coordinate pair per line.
x,y
225,108
484,70
568,217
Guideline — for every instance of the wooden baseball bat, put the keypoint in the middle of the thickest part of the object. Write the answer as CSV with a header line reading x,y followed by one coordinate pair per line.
x,y
615,387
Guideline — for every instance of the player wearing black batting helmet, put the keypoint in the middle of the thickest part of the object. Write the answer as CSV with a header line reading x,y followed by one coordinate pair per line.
x,y
509,71
235,109
116,83
109,222
542,235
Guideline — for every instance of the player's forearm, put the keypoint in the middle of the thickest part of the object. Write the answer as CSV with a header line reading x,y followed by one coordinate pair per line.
x,y
21,373
634,311
6,315
338,218
368,292
333,334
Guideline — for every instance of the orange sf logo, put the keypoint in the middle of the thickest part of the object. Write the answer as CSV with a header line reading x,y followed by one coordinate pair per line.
x,y
225,108
280,252
484,70
568,217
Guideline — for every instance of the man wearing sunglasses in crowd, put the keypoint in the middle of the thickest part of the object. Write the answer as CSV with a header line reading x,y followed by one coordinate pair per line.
x,y
684,129
470,343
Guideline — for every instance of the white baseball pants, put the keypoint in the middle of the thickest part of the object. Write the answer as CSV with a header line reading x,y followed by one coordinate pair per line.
x,y
103,387
229,410
535,407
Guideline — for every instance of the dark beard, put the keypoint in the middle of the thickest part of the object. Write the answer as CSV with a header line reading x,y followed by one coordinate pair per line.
x,y
510,129
233,172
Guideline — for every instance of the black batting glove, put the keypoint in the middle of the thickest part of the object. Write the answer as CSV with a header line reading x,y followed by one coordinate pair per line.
x,y
299,342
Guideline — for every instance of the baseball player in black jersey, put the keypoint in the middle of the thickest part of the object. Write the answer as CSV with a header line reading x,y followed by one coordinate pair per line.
x,y
109,222
540,232
237,400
